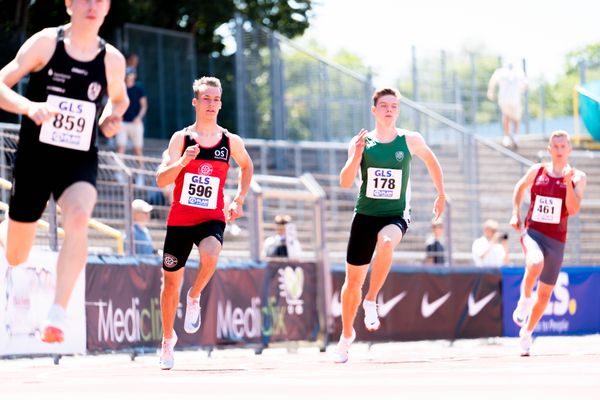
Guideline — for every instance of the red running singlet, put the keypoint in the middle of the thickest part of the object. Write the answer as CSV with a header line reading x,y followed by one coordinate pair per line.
x,y
547,211
198,192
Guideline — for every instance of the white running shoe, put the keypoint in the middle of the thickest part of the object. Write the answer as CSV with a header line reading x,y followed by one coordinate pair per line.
x,y
340,355
522,311
525,341
167,360
371,318
192,314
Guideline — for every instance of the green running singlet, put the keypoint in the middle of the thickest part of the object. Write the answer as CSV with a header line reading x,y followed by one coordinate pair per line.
x,y
385,172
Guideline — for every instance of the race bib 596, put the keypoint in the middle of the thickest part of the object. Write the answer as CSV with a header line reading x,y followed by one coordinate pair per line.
x,y
200,191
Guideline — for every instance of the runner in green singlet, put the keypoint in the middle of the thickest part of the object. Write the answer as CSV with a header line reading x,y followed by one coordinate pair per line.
x,y
382,212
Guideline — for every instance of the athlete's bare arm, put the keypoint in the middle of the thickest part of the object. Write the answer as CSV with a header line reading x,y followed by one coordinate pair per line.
x,y
355,152
242,158
522,185
574,194
418,147
33,55
110,120
173,161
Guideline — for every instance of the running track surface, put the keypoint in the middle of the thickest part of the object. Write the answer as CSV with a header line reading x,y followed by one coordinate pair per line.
x,y
560,367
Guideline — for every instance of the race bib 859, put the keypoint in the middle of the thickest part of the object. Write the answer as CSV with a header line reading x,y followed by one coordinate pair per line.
x,y
72,127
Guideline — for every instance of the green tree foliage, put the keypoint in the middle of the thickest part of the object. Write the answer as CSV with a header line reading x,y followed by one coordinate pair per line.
x,y
590,54
289,17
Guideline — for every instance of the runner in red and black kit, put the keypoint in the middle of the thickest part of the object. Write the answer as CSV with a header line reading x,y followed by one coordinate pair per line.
x,y
197,161
71,71
197,208
556,193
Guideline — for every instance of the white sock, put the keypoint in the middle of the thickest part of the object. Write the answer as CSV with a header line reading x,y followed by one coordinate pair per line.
x,y
165,340
57,313
193,298
369,303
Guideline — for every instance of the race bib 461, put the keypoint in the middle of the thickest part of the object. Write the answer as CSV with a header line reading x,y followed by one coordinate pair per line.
x,y
547,209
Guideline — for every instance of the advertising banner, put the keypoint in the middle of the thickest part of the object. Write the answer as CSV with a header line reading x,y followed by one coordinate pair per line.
x,y
26,295
123,307
290,295
416,304
574,308
276,303
239,305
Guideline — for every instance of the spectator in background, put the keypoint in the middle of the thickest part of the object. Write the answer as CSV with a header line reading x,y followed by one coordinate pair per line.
x,y
285,242
433,246
133,61
491,249
511,84
141,235
133,125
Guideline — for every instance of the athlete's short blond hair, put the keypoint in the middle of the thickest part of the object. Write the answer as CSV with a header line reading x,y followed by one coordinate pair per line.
x,y
208,81
377,94
559,134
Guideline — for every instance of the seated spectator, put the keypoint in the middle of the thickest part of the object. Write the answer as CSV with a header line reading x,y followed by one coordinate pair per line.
x,y
491,249
285,242
141,235
434,248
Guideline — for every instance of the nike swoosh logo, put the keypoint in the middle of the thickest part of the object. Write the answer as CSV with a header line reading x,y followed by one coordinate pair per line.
x,y
427,308
384,308
474,307
196,324
336,305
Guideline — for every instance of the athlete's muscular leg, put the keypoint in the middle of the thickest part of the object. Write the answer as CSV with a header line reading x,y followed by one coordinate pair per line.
x,y
351,295
532,273
76,203
169,299
17,239
209,250
534,263
544,291
387,239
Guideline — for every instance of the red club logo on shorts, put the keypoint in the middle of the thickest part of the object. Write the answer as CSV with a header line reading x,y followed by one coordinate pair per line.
x,y
169,260
205,169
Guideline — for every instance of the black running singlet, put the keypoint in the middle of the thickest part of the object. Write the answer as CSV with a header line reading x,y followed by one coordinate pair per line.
x,y
78,89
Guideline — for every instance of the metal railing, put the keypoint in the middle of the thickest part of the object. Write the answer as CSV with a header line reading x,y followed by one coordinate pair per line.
x,y
92,223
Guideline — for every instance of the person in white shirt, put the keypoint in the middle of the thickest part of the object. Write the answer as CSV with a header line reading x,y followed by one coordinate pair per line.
x,y
511,84
285,242
491,249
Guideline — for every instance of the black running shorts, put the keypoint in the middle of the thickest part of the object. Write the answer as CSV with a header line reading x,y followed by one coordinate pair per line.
x,y
363,236
35,178
180,240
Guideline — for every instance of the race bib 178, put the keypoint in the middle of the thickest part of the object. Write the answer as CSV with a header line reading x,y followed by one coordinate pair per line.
x,y
384,183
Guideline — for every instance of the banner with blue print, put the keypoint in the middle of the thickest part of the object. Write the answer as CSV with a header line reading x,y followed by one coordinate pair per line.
x,y
574,308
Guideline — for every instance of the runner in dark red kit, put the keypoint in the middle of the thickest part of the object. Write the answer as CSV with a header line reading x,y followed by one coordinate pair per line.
x,y
556,193
197,161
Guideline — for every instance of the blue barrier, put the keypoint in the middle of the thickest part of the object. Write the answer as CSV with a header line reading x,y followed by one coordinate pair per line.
x,y
574,308
590,109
